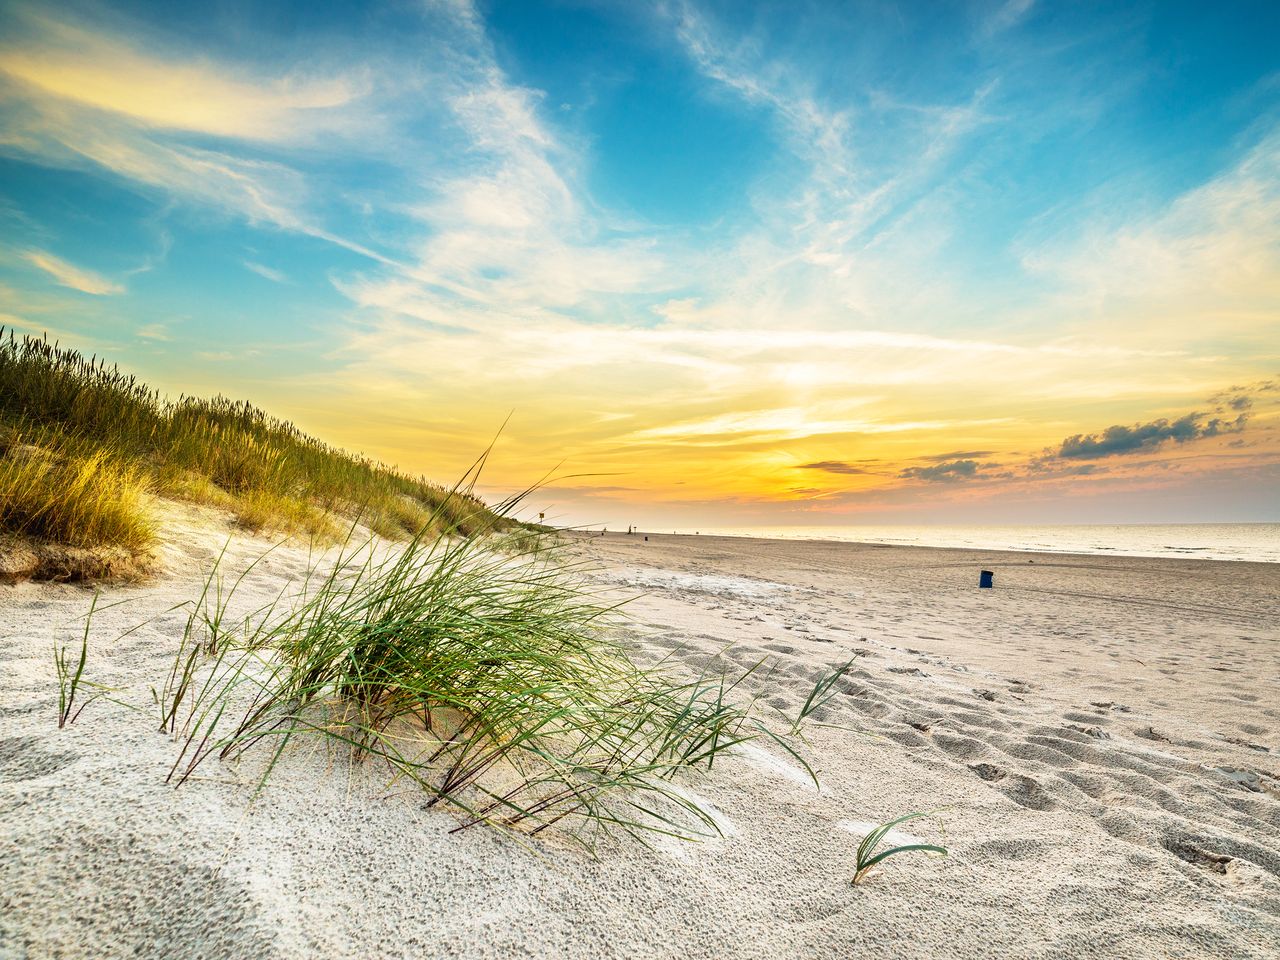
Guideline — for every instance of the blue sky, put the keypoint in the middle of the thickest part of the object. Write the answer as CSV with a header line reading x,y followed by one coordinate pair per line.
x,y
736,262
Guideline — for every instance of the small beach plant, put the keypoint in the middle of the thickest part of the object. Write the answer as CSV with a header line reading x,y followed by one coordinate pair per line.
x,y
69,677
821,693
867,856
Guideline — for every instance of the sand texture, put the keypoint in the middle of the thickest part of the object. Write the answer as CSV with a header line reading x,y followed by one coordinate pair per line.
x,y
1103,735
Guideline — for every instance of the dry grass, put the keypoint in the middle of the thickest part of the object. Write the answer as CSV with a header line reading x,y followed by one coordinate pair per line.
x,y
83,446
259,510
87,501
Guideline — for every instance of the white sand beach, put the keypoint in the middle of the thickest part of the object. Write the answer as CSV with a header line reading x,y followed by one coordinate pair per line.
x,y
1101,737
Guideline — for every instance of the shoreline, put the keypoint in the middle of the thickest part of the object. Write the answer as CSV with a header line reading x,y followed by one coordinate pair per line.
x,y
1014,556
1170,552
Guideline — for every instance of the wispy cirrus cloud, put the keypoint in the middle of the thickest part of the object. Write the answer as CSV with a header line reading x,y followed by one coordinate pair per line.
x,y
511,233
69,275
61,62
780,424
849,240
261,191
154,331
179,124
958,455
267,273
1009,14
1214,250
835,466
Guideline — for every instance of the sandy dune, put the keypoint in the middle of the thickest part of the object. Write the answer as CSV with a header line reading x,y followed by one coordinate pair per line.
x,y
1103,733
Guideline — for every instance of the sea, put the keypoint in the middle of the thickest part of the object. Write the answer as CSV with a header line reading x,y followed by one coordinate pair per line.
x,y
1259,542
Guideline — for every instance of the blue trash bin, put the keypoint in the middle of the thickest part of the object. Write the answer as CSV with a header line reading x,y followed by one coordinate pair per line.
x,y
985,578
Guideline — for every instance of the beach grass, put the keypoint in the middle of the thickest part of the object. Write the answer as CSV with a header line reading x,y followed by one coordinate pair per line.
x,y
70,676
83,501
868,858
472,661
83,445
485,678
822,693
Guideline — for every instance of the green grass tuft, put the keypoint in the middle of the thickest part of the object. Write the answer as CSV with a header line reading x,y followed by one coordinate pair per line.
x,y
824,690
867,856
70,677
481,676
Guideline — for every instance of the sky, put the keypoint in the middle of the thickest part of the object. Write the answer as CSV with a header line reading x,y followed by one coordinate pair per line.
x,y
711,264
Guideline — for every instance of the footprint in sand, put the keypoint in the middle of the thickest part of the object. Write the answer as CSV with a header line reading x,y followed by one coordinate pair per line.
x,y
1095,731
1077,716
1252,780
1026,792
1189,852
988,771
964,748
22,759
1247,744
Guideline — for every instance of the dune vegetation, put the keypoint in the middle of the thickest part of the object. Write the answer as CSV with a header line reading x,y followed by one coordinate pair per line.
x,y
485,679
84,446
82,501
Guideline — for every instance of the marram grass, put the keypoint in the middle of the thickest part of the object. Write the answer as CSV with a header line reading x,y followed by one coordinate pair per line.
x,y
482,678
81,442
868,858
472,663
82,501
69,676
